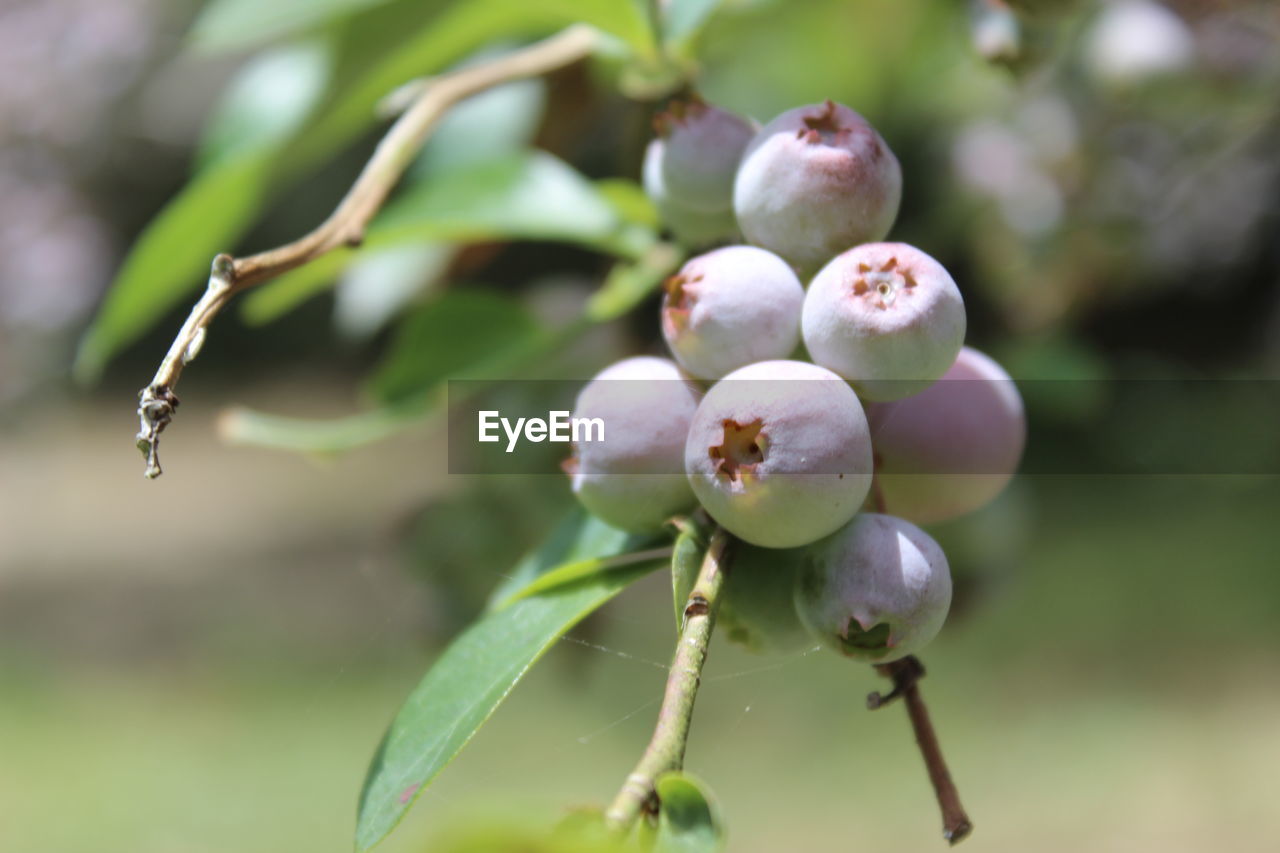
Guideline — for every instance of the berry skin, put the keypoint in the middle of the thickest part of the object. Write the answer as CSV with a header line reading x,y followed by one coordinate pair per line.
x,y
885,316
730,308
632,478
702,146
952,448
758,609
691,226
779,453
815,181
877,590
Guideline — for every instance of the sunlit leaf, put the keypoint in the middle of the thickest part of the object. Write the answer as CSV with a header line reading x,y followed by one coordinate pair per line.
x,y
579,536
238,24
683,19
379,283
171,258
464,687
445,338
318,436
629,284
688,821
524,196
266,101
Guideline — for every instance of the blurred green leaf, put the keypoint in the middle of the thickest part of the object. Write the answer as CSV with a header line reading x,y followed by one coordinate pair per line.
x,y
464,687
684,19
629,283
687,818
266,101
461,329
379,284
531,196
526,196
499,122
171,258
579,536
318,436
233,25
630,202
465,26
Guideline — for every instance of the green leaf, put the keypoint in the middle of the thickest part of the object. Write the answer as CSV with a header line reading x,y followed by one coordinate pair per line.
x,y
523,196
571,573
449,337
688,820
446,38
579,536
684,19
233,25
266,101
532,196
628,284
464,687
171,258
248,427
686,560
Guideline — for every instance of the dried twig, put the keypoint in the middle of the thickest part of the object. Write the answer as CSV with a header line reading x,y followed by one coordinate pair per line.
x,y
346,225
906,673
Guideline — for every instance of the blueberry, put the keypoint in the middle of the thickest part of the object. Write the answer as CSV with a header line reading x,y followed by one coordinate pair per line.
x,y
779,453
634,479
952,448
815,181
885,316
732,307
877,590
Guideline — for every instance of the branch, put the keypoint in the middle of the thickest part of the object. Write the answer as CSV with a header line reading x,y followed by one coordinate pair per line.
x,y
666,749
906,674
346,225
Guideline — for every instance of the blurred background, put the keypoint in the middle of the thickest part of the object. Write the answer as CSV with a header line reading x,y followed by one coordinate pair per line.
x,y
206,662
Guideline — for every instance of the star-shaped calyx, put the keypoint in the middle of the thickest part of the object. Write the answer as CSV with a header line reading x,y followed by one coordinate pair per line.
x,y
681,296
743,448
882,287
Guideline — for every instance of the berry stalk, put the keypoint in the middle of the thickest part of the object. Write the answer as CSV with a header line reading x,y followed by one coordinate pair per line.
x,y
906,674
665,752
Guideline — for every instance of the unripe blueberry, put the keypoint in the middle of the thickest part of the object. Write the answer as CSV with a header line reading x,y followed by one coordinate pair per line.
x,y
950,449
815,181
779,453
632,478
732,307
702,146
758,609
877,590
692,226
885,316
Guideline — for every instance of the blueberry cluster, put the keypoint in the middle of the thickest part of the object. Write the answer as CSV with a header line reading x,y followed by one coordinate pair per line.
x,y
824,410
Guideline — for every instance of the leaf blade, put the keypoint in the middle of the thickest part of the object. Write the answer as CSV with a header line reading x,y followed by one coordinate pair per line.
x,y
688,819
464,687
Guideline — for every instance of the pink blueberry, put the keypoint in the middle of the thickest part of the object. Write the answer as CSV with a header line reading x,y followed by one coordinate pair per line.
x,y
815,181
952,448
691,226
885,316
779,453
633,478
878,589
732,307
702,146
